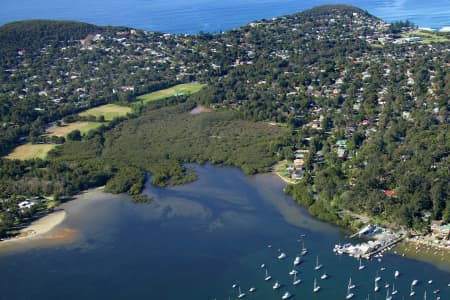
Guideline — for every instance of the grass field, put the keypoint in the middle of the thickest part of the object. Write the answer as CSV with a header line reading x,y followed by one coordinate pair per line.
x,y
180,89
83,127
430,36
109,111
30,151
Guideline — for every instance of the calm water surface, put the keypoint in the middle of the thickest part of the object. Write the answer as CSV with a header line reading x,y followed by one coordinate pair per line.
x,y
194,242
192,16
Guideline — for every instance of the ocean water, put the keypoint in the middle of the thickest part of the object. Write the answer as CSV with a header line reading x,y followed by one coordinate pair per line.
x,y
194,242
193,16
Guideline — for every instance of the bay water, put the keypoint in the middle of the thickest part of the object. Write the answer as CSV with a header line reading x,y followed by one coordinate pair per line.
x,y
193,16
194,242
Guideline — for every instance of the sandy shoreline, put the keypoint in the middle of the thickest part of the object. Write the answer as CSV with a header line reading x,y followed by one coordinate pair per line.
x,y
38,228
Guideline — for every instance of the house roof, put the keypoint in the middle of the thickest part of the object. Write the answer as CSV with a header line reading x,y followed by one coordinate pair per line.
x,y
390,193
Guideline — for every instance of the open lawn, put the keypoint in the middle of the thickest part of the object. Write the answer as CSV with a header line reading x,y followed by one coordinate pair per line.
x,y
180,89
83,127
428,37
30,151
109,111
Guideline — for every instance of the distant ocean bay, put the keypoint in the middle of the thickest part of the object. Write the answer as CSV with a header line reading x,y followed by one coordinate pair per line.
x,y
193,16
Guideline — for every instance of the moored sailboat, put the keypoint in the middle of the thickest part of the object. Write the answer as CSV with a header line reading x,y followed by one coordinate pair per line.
x,y
361,266
349,289
267,277
376,288
240,293
316,287
296,280
318,266
412,292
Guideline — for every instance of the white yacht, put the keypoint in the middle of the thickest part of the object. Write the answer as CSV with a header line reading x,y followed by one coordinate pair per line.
x,y
396,273
350,284
293,272
378,277
412,292
361,266
349,289
414,282
241,294
394,291
297,260
286,295
316,287
318,266
388,297
324,276
376,288
296,281
252,289
304,250
276,286
268,277
282,255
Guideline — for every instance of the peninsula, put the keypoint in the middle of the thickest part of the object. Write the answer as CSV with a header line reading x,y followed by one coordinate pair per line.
x,y
357,108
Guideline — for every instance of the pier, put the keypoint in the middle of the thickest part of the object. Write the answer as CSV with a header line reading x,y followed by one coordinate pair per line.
x,y
382,248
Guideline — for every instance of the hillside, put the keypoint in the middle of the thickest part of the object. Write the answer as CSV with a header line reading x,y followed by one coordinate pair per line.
x,y
360,104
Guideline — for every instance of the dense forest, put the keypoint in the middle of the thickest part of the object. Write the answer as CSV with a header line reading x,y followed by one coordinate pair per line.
x,y
367,101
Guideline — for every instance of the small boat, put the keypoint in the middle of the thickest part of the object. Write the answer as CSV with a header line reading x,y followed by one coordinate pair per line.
x,y
436,291
318,266
412,292
234,286
324,276
263,266
252,289
376,288
293,272
361,266
349,290
394,291
382,268
241,294
350,284
316,288
286,295
378,277
396,273
414,282
304,250
282,255
430,281
388,297
276,286
297,260
296,281
268,277
386,285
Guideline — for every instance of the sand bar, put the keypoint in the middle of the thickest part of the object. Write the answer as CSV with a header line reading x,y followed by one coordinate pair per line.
x,y
38,227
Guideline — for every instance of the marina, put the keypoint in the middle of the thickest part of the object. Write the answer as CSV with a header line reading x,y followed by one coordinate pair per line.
x,y
381,240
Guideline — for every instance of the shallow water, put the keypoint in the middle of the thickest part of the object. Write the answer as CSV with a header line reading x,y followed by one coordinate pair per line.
x,y
194,242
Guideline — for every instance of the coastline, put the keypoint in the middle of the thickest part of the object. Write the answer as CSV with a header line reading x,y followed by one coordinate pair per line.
x,y
276,169
426,252
38,228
